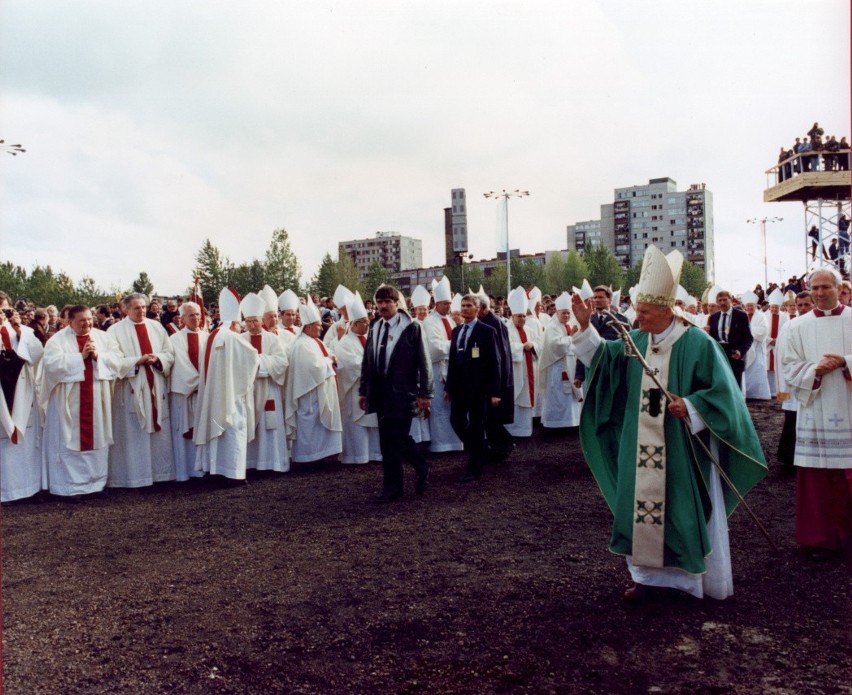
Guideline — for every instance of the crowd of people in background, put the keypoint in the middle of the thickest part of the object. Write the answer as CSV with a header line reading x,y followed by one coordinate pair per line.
x,y
813,153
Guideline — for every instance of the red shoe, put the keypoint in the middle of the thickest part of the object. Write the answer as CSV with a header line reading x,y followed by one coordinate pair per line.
x,y
636,593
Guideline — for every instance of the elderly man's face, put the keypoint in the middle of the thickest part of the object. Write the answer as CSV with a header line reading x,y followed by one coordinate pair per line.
x,y
136,310
253,325
312,329
563,315
192,319
442,308
653,318
360,326
824,290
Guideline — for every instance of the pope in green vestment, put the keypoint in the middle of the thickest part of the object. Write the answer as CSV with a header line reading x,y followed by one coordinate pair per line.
x,y
697,371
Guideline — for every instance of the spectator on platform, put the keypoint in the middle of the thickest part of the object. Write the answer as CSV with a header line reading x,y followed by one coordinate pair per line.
x,y
813,235
830,158
843,157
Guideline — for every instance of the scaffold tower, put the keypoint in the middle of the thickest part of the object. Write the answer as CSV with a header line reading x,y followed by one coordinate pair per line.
x,y
821,181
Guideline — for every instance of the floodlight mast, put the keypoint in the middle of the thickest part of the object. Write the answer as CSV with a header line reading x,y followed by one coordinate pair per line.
x,y
506,195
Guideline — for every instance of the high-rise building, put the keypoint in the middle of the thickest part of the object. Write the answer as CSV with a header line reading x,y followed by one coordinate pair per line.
x,y
656,213
394,251
455,227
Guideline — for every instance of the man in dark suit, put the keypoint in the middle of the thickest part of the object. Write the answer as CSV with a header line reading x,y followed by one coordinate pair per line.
x,y
499,441
473,382
396,382
730,328
602,300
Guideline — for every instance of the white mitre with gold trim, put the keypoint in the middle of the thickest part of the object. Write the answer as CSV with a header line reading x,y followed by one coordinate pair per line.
x,y
660,276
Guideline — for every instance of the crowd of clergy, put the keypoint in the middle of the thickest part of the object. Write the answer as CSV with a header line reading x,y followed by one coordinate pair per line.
x,y
118,397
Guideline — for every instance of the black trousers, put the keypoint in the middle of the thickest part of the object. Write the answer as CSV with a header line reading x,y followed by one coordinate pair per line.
x,y
787,442
396,444
467,418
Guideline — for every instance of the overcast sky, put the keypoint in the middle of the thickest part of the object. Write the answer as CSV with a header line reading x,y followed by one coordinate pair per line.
x,y
152,125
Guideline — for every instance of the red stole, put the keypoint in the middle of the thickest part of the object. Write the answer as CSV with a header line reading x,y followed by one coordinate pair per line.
x,y
192,348
447,327
87,400
145,347
325,354
773,334
529,360
7,343
363,340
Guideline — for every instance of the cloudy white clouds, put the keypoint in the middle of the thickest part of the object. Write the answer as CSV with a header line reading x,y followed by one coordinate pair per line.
x,y
150,126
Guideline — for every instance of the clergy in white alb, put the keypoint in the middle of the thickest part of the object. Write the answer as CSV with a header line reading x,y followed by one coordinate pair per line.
x,y
142,453
312,408
20,424
776,319
225,415
437,332
817,365
188,345
78,368
560,398
755,376
525,337
360,429
267,451
288,311
342,296
420,424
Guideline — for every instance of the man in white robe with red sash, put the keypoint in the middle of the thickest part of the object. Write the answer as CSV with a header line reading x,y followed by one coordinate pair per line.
x,y
312,409
755,375
20,426
188,345
360,429
142,453
342,296
667,499
560,404
817,364
288,310
225,414
776,320
78,367
525,337
438,333
267,451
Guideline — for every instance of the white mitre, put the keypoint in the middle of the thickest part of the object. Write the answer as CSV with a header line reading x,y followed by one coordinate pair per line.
x,y
455,303
712,292
270,299
342,295
518,301
252,305
309,313
659,279
748,297
776,297
441,290
681,294
534,296
229,306
355,307
419,297
563,302
585,291
288,300
616,299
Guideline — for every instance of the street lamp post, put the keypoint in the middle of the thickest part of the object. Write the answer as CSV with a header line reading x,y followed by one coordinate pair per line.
x,y
762,221
506,195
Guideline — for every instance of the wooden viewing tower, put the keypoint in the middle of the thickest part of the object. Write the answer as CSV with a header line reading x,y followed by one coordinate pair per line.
x,y
825,195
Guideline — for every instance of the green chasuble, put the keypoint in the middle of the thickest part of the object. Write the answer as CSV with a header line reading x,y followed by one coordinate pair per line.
x,y
697,370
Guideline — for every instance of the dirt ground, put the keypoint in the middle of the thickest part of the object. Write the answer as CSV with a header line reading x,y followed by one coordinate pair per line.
x,y
301,583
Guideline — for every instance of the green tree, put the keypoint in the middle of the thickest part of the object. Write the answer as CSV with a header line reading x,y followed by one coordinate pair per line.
x,y
323,282
347,274
495,284
631,277
13,280
576,270
553,281
693,279
604,268
212,270
87,292
376,275
283,271
143,284
246,277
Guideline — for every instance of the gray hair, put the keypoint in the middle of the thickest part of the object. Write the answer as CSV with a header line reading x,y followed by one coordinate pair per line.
x,y
828,271
126,299
475,298
187,306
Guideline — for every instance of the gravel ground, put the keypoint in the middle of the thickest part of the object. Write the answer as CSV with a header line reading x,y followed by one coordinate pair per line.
x,y
301,583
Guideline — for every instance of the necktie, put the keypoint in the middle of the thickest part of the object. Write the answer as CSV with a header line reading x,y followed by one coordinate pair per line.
x,y
383,347
463,338
723,338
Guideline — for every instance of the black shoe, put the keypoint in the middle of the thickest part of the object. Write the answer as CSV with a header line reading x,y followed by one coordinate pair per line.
x,y
470,477
422,481
387,496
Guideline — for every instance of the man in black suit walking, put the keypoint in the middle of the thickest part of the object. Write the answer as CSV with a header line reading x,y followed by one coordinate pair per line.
x,y
499,441
730,328
473,382
396,382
